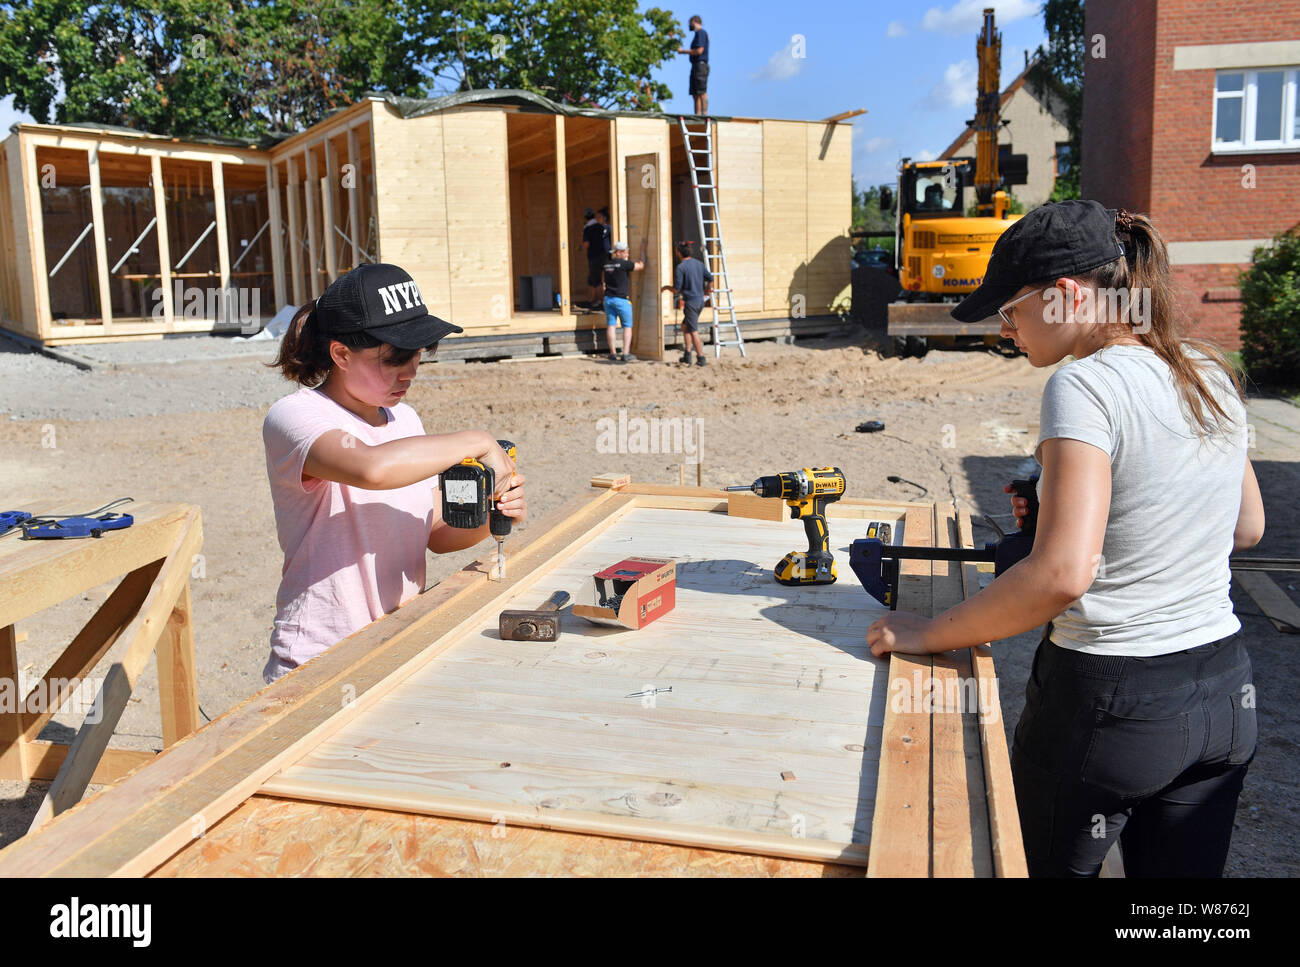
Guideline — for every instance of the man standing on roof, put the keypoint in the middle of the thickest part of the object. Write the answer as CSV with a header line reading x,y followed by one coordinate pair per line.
x,y
699,51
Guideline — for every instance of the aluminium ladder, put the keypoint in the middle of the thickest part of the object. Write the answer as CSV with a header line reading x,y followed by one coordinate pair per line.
x,y
699,144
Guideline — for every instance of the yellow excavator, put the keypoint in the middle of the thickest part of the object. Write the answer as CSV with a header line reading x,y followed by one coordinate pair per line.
x,y
940,252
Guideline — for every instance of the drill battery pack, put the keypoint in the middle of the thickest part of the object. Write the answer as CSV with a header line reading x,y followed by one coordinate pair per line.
x,y
467,490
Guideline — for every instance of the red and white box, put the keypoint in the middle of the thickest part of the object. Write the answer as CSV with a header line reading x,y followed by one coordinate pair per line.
x,y
646,588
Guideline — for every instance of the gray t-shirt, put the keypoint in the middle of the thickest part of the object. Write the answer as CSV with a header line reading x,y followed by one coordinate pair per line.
x,y
1175,497
689,279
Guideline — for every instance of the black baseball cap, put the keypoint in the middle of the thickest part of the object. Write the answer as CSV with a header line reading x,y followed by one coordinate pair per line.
x,y
381,300
1054,240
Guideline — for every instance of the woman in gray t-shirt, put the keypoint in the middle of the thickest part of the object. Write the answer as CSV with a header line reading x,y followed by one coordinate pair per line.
x,y
1139,720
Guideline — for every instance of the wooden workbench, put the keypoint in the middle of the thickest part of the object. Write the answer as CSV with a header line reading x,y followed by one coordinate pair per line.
x,y
424,744
149,610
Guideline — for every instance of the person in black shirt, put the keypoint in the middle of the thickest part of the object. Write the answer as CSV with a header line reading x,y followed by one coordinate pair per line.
x,y
618,305
699,51
595,242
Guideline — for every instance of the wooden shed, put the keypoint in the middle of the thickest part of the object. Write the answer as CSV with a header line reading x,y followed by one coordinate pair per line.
x,y
116,234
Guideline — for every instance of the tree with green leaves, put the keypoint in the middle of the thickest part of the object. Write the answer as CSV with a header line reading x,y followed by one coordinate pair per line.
x,y
597,53
1058,69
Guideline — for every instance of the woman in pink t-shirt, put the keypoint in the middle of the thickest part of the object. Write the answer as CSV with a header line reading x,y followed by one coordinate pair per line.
x,y
354,477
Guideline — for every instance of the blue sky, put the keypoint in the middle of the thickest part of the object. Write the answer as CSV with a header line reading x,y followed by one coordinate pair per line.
x,y
912,66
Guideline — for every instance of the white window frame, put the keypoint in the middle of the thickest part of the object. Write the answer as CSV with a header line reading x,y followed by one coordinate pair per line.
x,y
1290,140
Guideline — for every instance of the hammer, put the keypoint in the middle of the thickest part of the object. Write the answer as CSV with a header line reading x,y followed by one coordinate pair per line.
x,y
540,625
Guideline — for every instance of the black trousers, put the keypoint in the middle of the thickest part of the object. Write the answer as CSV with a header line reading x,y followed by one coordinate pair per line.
x,y
1150,750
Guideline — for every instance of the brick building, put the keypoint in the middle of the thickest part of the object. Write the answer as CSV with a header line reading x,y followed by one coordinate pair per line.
x,y
1191,114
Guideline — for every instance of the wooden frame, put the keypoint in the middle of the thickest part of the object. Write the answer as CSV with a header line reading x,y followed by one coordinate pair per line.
x,y
149,611
966,826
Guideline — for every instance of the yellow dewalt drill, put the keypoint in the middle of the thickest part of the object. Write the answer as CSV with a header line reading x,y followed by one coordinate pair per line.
x,y
807,491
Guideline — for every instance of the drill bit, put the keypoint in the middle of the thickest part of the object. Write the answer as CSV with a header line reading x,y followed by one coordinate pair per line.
x,y
497,570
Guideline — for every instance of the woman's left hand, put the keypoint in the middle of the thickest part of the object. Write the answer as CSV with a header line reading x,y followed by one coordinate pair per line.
x,y
512,503
902,632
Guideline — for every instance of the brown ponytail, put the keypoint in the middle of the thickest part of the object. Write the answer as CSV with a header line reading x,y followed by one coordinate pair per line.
x,y
304,355
1144,272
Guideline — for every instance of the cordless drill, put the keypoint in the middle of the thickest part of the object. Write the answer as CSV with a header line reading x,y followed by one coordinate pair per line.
x,y
467,492
807,491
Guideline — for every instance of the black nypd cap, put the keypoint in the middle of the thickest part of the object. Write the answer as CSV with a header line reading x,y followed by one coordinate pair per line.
x,y
385,302
1056,239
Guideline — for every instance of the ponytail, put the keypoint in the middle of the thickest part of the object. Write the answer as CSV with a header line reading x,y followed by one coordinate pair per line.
x,y
1145,274
304,355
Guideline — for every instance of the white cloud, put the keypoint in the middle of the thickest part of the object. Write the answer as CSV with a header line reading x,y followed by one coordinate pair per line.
x,y
873,145
925,154
896,29
785,63
966,16
957,89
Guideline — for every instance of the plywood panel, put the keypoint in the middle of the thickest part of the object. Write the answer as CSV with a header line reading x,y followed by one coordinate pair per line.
x,y
642,136
765,680
740,205
26,266
830,213
478,219
411,201
643,241
279,837
785,210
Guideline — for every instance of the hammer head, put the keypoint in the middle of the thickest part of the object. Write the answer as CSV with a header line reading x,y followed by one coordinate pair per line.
x,y
540,625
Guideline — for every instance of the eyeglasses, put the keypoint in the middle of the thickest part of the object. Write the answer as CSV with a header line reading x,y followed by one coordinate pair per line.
x,y
1006,319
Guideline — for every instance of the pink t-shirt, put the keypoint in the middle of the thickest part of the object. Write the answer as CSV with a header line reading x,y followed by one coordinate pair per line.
x,y
350,555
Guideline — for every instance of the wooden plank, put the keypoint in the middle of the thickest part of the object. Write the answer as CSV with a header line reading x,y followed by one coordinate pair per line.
x,y
1272,600
36,233
330,187
141,635
311,198
785,216
177,678
91,644
614,480
829,214
1000,794
960,814
223,235
740,203
277,236
354,195
164,242
292,199
13,743
562,211
207,774
752,505
411,200
901,831
101,241
477,207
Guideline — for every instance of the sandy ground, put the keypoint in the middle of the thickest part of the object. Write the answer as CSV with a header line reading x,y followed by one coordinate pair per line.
x,y
957,424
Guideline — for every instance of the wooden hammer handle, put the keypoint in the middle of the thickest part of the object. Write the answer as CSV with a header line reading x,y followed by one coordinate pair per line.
x,y
555,602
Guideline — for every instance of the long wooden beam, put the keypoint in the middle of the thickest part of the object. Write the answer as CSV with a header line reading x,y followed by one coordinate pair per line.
x,y
329,216
354,192
277,236
292,197
164,241
562,214
223,237
101,241
312,197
